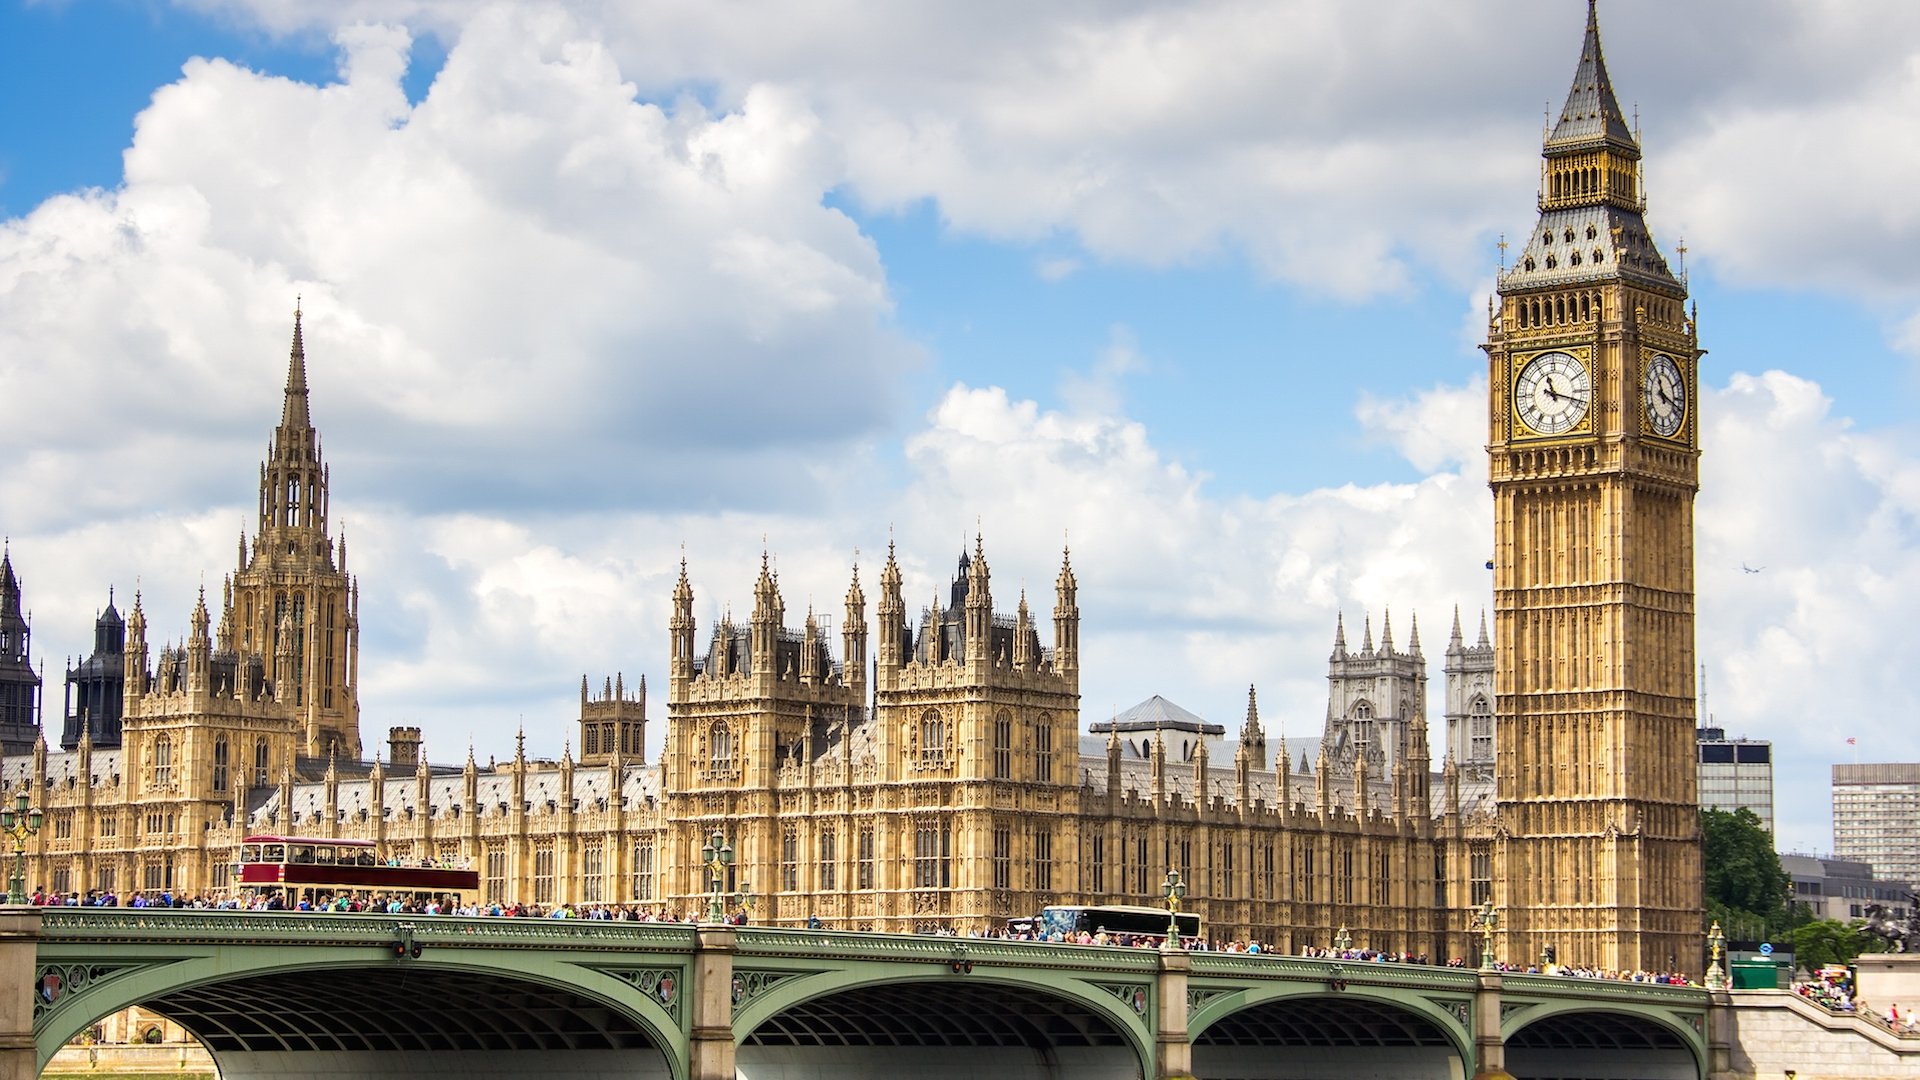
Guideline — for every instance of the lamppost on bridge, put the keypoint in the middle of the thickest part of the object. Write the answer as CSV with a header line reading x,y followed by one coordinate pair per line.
x,y
1717,944
1342,941
19,823
1175,891
718,855
1488,917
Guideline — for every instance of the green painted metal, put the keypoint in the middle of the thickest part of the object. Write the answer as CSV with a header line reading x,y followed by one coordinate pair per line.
x,y
111,958
126,957
1682,1010
1223,984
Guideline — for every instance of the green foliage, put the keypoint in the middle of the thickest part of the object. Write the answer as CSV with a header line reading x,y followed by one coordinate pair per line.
x,y
1747,890
1830,941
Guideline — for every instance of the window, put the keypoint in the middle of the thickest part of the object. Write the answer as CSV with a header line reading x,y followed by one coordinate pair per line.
x,y
1223,869
103,879
1439,875
1140,864
1002,858
933,740
162,762
1268,889
1346,878
1363,726
260,763
863,869
1480,873
1480,728
827,876
593,871
63,827
1099,861
933,855
1003,746
1043,749
220,763
496,865
643,870
790,858
720,748
1043,859
543,872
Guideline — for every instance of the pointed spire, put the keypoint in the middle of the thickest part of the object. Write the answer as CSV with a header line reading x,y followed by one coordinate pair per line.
x,y
1454,642
1366,646
295,414
1413,637
1339,635
1592,114
1386,632
1483,643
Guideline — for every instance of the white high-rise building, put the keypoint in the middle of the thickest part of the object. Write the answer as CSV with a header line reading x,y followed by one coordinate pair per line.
x,y
1876,818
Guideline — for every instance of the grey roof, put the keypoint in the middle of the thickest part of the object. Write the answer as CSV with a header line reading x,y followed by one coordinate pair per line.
x,y
1591,115
1158,714
1548,259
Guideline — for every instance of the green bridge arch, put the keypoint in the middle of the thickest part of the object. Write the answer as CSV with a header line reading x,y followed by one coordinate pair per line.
x,y
1451,1025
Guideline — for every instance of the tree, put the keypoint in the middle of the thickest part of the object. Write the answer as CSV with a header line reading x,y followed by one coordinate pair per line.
x,y
1830,941
1747,891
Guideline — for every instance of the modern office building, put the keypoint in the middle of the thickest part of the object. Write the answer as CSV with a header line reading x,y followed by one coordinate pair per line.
x,y
1736,774
1876,818
1842,889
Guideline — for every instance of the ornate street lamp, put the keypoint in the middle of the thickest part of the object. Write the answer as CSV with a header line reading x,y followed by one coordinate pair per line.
x,y
1175,891
718,855
1488,917
1717,944
20,824
1342,941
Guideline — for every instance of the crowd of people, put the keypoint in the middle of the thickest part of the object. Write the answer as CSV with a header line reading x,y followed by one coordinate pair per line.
x,y
1823,992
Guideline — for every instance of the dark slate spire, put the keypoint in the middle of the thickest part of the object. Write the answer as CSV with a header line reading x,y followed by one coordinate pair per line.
x,y
295,413
1592,112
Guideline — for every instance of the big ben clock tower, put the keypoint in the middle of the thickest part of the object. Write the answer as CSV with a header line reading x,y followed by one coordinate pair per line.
x,y
1593,377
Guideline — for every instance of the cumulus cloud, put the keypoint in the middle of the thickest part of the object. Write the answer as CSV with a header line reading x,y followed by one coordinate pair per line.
x,y
529,284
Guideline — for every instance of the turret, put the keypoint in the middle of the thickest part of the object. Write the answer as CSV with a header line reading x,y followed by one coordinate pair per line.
x,y
1066,620
853,635
1252,739
1023,636
769,612
979,606
200,647
1339,637
891,614
679,630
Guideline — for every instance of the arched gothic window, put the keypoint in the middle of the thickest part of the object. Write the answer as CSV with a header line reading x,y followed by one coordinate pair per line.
x,y
1480,729
220,763
933,739
162,762
260,763
720,748
1003,746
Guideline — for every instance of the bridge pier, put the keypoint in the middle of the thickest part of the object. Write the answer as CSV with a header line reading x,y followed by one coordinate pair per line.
x,y
710,1045
19,953
1489,1047
1172,1048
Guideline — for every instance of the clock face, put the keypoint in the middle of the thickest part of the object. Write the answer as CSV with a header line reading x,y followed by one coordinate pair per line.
x,y
1664,394
1552,393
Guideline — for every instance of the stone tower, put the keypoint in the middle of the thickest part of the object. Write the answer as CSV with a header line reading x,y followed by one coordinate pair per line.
x,y
1594,467
96,686
19,685
293,584
613,725
1470,729
1376,697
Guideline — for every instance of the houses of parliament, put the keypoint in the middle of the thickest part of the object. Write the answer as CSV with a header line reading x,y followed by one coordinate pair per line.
x,y
929,768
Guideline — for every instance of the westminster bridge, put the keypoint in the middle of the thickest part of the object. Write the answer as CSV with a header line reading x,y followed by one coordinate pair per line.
x,y
283,994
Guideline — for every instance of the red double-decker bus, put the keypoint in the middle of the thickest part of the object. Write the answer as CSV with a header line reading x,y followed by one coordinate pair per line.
x,y
314,869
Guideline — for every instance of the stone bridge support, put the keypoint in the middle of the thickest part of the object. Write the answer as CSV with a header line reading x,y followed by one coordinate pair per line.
x,y
710,1043
1173,1046
1489,1047
19,946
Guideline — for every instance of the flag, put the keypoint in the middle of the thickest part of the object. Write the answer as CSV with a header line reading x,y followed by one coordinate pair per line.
x,y
1851,741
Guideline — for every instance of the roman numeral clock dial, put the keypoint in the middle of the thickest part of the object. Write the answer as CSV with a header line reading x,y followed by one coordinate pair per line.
x,y
1664,394
1552,393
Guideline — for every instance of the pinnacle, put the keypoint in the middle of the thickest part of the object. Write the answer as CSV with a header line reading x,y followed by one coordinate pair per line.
x,y
295,414
1592,112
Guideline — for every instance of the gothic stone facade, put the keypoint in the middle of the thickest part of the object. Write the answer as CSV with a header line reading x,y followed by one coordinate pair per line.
x,y
935,775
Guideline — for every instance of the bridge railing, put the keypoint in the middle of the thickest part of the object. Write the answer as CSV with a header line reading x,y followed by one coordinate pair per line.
x,y
326,928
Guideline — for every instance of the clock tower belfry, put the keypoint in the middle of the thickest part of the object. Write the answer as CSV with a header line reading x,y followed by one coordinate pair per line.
x,y
1594,464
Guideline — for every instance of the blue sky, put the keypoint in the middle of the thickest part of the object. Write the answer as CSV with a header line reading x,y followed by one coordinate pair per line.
x,y
1197,285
